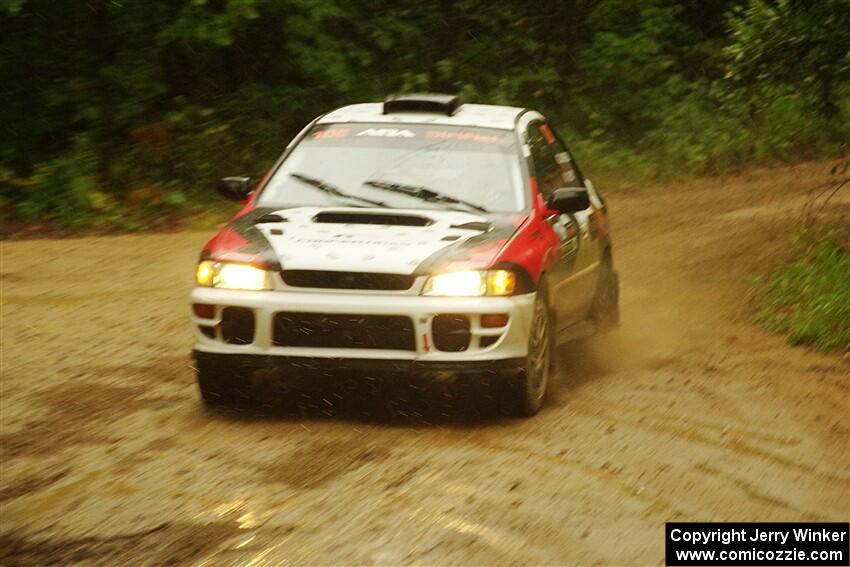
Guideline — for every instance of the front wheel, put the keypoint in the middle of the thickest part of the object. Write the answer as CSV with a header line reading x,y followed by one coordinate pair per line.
x,y
529,388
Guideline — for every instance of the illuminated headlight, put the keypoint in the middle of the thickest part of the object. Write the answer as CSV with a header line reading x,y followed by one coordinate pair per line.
x,y
228,275
471,283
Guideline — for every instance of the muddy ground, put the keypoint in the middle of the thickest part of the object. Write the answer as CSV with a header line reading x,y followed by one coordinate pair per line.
x,y
688,412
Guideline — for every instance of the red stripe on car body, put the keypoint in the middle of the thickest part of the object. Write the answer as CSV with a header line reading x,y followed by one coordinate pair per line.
x,y
231,246
534,246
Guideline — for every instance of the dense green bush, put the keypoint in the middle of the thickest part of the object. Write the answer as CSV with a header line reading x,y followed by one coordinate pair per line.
x,y
809,298
112,109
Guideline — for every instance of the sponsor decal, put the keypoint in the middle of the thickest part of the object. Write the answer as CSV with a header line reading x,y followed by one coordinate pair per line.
x,y
387,133
467,136
332,133
562,158
354,241
546,132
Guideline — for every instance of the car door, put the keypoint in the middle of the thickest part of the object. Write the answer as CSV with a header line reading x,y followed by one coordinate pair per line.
x,y
591,225
573,278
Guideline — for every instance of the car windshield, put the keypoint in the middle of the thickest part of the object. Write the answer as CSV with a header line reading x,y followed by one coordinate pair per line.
x,y
401,166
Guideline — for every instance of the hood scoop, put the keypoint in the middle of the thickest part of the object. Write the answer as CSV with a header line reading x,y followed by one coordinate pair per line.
x,y
387,219
474,225
270,218
340,241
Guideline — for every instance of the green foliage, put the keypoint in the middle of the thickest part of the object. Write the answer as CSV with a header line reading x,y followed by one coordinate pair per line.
x,y
696,135
626,68
787,130
809,298
113,108
802,44
11,6
64,187
667,90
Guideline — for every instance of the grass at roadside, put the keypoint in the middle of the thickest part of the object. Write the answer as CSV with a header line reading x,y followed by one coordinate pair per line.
x,y
808,298
201,213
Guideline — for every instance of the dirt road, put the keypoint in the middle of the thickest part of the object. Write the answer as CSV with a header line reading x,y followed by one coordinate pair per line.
x,y
688,412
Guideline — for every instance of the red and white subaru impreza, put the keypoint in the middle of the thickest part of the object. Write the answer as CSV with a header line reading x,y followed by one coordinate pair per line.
x,y
417,235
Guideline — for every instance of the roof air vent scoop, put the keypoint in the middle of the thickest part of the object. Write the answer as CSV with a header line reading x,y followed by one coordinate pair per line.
x,y
424,102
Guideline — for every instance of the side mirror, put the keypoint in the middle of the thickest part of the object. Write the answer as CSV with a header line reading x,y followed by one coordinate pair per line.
x,y
235,188
569,200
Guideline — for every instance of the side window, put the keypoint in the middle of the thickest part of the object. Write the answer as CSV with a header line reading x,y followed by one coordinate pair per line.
x,y
569,169
546,169
553,163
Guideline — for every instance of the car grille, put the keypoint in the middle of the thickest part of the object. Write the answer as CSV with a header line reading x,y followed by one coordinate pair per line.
x,y
325,330
347,280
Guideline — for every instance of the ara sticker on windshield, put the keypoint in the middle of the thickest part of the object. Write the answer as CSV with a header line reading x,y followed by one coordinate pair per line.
x,y
387,132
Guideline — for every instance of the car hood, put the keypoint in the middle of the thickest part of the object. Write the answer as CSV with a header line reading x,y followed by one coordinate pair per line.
x,y
398,241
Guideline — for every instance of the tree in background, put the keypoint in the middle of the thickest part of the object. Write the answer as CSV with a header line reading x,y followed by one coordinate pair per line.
x,y
113,106
789,62
799,44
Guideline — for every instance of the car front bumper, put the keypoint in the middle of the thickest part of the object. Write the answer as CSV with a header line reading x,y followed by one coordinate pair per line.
x,y
486,346
362,365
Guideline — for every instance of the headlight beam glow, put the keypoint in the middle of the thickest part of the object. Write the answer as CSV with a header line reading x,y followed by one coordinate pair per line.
x,y
228,275
471,283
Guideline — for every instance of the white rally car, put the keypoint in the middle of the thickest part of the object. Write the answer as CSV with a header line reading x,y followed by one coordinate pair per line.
x,y
418,235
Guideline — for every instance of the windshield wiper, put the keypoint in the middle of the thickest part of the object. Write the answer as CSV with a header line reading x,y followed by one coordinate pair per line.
x,y
422,193
332,190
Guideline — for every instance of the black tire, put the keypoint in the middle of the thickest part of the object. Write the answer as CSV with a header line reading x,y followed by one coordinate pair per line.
x,y
605,310
222,384
527,391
